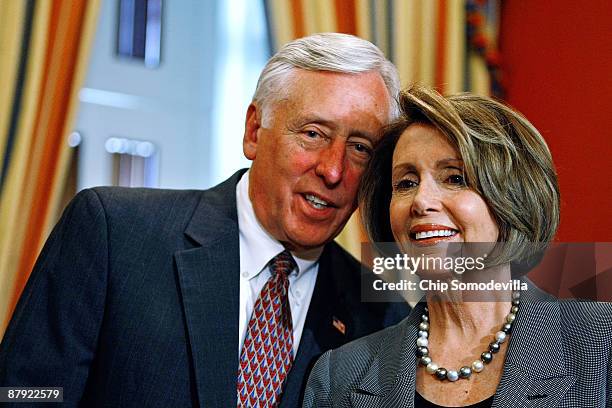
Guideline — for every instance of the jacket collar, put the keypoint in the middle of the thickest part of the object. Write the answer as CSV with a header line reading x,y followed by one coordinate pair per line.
x,y
534,371
319,333
208,275
216,214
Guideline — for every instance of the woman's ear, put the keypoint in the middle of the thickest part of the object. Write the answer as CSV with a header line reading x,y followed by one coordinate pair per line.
x,y
252,124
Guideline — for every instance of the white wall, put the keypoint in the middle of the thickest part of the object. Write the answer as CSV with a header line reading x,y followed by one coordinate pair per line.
x,y
242,54
169,105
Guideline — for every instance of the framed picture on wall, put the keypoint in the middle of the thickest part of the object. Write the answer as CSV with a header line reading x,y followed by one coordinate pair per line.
x,y
139,30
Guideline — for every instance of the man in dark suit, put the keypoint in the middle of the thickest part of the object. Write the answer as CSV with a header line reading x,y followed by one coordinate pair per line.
x,y
154,298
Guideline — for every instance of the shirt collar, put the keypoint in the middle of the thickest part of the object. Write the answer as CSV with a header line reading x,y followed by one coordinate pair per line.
x,y
257,245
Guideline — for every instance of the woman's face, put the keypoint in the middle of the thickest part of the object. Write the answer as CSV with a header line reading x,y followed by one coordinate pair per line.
x,y
430,202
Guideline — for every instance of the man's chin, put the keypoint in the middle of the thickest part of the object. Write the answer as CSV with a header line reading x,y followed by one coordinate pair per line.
x,y
307,242
305,235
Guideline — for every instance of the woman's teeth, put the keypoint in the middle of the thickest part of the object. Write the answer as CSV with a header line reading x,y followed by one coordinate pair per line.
x,y
435,233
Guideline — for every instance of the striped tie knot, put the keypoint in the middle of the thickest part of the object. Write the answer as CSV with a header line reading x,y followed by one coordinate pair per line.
x,y
282,263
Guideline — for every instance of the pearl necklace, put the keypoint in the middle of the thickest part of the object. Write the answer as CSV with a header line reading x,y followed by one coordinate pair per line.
x,y
477,366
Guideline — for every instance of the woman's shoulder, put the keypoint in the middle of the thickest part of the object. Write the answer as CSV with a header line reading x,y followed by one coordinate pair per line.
x,y
578,318
587,318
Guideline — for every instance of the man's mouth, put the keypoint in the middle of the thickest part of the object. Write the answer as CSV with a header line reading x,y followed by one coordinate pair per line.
x,y
317,202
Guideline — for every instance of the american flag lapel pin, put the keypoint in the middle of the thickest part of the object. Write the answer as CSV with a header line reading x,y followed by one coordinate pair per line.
x,y
339,325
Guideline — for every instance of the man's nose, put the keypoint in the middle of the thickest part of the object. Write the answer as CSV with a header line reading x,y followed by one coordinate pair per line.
x,y
330,166
427,199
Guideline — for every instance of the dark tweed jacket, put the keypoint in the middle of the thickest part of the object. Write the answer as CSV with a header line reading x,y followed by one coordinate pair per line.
x,y
559,355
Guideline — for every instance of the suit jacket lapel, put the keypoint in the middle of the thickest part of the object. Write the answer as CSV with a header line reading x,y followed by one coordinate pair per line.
x,y
319,334
390,380
209,283
535,374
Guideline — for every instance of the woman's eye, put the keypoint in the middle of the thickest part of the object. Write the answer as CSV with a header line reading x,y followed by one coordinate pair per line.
x,y
457,179
405,184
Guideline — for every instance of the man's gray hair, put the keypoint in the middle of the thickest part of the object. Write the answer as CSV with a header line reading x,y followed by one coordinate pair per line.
x,y
333,52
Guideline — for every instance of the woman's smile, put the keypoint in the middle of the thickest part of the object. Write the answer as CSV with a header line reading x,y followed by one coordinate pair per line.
x,y
431,234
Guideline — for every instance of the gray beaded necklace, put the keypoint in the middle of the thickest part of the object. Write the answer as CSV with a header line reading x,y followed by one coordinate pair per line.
x,y
441,373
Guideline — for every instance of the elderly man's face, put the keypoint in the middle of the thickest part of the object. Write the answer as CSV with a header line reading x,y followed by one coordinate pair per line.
x,y
309,154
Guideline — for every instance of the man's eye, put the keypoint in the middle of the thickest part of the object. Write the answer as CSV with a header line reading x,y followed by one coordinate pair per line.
x,y
457,179
312,134
360,147
404,185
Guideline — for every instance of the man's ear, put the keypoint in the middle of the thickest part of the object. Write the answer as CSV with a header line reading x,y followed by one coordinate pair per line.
x,y
252,124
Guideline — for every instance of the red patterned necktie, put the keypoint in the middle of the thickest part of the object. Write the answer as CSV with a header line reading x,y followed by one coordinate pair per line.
x,y
267,353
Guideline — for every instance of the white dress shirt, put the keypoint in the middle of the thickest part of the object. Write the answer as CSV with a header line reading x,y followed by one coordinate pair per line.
x,y
257,248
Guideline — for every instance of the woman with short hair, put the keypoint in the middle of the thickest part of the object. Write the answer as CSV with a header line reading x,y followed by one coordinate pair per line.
x,y
460,170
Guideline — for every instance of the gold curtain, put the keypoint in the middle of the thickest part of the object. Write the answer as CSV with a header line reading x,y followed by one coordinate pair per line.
x,y
44,46
426,39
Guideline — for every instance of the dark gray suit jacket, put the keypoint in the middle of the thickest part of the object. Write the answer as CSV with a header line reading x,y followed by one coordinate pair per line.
x,y
134,302
559,355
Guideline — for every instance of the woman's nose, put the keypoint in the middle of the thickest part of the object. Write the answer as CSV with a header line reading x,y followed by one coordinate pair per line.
x,y
426,199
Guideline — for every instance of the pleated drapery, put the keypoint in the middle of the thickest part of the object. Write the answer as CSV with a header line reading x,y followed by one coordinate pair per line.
x,y
44,46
